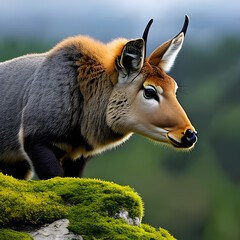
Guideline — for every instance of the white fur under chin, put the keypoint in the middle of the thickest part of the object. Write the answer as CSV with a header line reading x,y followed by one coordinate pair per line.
x,y
152,132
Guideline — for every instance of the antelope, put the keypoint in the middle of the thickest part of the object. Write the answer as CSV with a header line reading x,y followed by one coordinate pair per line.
x,y
59,108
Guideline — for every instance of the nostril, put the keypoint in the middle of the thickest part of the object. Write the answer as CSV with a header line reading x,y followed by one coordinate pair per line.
x,y
189,136
189,133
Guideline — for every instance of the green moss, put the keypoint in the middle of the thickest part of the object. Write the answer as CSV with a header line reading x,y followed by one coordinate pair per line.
x,y
20,204
87,203
9,234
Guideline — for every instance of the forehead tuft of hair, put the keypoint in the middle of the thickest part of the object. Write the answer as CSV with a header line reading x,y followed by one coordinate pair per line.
x,y
152,71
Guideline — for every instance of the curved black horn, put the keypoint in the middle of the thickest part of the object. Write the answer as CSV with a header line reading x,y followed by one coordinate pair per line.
x,y
185,25
145,34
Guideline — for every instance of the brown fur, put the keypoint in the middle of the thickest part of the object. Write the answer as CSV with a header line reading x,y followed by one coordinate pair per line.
x,y
104,54
97,75
157,77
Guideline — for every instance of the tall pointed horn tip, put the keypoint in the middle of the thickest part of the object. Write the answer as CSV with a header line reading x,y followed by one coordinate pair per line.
x,y
185,25
145,34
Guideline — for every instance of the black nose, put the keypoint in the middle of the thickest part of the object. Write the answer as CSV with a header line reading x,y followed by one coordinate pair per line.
x,y
189,138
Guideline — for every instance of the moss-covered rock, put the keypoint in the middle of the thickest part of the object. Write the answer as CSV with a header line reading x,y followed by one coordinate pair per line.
x,y
93,207
9,234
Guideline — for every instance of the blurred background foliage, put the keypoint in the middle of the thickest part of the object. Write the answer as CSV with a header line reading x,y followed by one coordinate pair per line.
x,y
195,195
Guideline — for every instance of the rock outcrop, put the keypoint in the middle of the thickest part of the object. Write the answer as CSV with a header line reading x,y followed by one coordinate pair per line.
x,y
72,208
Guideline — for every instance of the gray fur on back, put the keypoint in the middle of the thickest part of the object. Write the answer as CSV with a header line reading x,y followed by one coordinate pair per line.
x,y
16,77
53,100
39,93
49,96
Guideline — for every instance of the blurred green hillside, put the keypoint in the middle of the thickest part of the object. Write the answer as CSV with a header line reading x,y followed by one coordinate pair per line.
x,y
194,195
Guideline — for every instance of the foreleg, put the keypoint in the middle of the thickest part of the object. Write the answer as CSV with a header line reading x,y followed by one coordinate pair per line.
x,y
45,163
74,168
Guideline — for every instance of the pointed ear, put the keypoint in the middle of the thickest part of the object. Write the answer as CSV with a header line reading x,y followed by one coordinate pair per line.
x,y
166,54
131,60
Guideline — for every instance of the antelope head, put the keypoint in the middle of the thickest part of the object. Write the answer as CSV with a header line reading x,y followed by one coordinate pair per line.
x,y
144,99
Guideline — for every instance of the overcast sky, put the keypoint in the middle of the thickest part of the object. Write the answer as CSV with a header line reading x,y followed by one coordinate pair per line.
x,y
107,19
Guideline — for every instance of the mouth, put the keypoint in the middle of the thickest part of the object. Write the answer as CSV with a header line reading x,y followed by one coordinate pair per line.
x,y
175,143
186,141
180,145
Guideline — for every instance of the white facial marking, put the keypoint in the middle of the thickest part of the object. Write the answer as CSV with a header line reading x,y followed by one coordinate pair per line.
x,y
159,89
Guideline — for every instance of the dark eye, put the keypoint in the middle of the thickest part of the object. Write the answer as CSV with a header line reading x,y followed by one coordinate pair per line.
x,y
150,92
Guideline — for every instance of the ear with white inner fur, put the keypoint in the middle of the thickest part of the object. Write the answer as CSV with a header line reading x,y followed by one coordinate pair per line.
x,y
131,60
166,54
